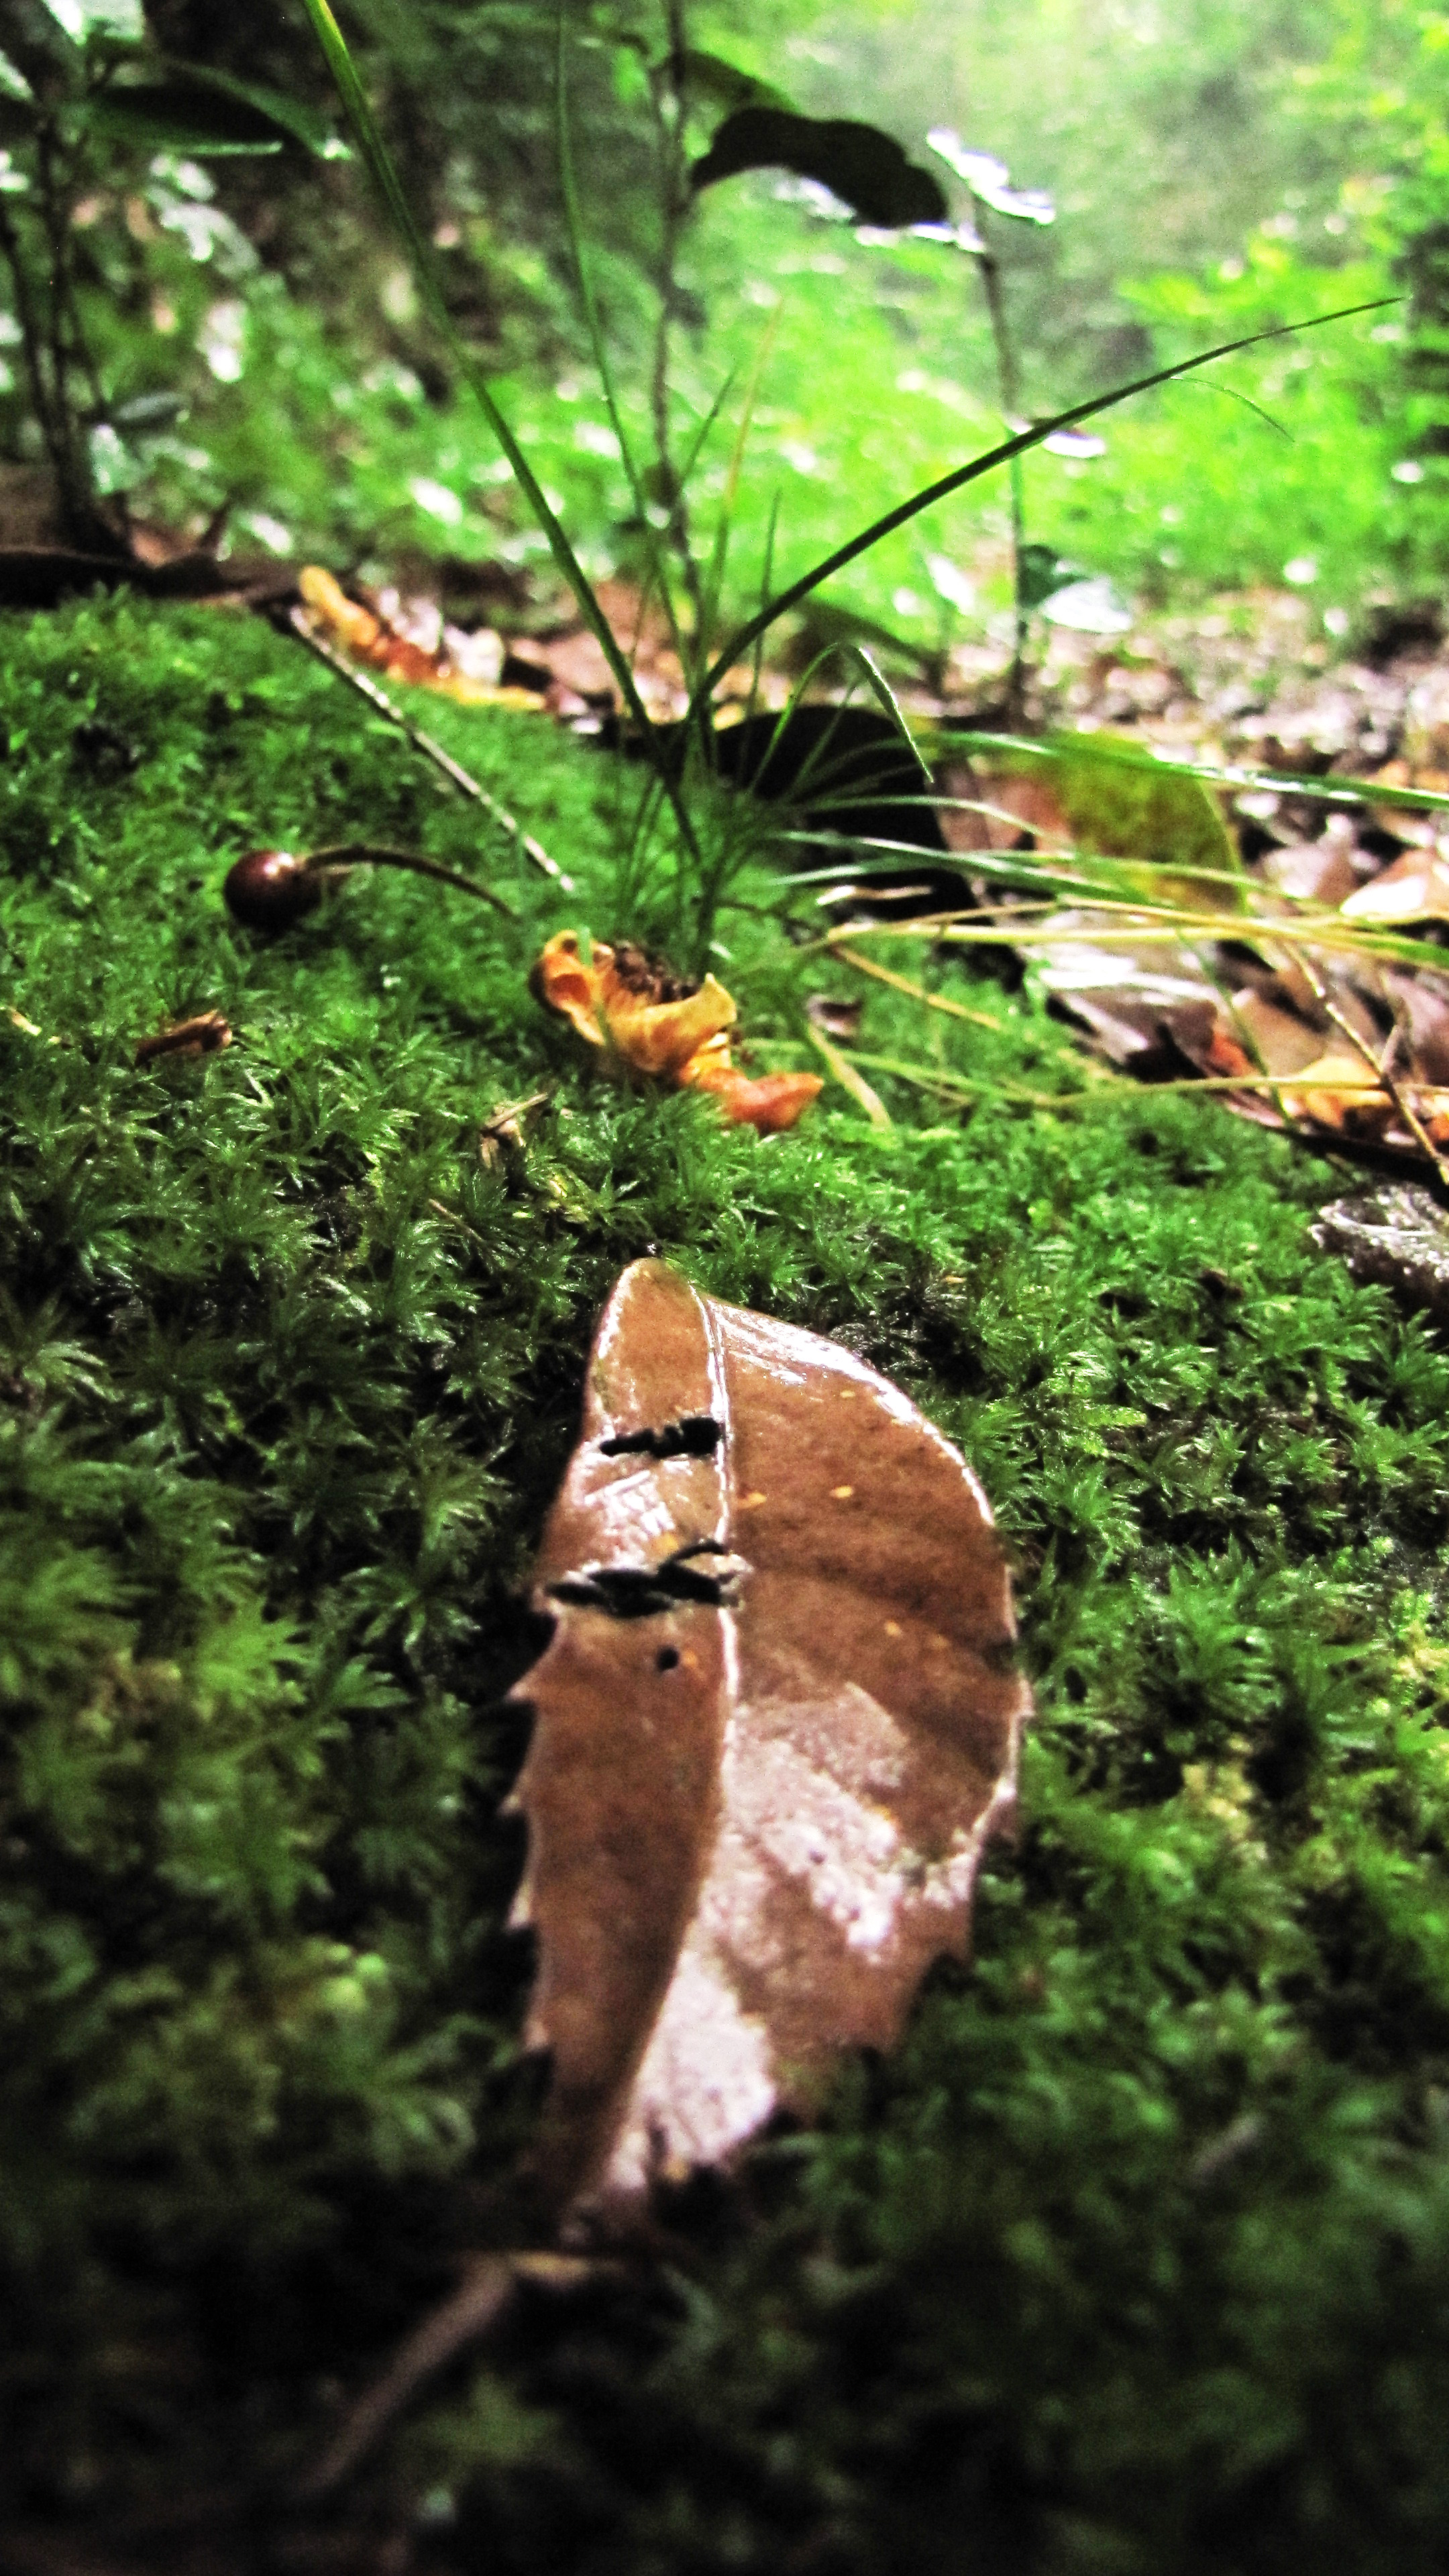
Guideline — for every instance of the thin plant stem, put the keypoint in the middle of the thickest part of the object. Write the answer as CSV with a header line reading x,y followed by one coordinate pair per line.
x,y
32,338
453,770
1378,1064
354,854
429,280
1032,924
918,992
844,1068
598,344
668,94
989,263
1108,1086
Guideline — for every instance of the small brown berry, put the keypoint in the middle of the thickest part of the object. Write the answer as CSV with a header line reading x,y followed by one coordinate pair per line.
x,y
270,889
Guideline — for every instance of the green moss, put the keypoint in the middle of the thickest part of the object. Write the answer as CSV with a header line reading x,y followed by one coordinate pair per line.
x,y
1137,2254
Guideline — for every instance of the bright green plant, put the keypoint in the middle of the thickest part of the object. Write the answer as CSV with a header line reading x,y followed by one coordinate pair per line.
x,y
81,89
726,653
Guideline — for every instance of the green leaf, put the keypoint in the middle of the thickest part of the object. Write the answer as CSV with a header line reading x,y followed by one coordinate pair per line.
x,y
1039,571
859,164
1120,803
195,110
293,118
173,116
41,50
118,20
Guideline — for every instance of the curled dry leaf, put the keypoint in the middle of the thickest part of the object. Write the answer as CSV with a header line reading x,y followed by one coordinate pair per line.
x,y
619,999
207,1034
836,1018
1414,887
775,1725
371,638
506,1130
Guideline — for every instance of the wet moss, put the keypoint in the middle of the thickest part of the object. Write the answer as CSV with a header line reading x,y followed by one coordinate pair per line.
x,y
1138,2252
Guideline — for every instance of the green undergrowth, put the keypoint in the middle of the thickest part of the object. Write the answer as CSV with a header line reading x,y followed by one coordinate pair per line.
x,y
1137,2254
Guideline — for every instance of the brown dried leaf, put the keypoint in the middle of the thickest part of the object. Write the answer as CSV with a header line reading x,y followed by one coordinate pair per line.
x,y
206,1034
1395,1235
1318,871
1412,888
776,1724
374,639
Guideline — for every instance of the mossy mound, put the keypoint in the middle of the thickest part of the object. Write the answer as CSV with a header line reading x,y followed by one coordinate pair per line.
x,y
1137,2255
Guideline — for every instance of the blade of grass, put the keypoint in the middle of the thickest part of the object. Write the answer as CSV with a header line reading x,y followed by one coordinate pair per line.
x,y
714,577
918,992
1112,1086
988,462
889,704
1330,791
1039,925
658,570
853,1082
385,178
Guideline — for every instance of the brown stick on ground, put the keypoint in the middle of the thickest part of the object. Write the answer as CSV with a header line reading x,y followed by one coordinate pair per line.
x,y
482,2300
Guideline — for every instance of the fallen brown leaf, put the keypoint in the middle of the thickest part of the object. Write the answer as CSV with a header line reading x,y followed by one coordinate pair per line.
x,y
1414,887
1397,1236
207,1034
373,639
775,1726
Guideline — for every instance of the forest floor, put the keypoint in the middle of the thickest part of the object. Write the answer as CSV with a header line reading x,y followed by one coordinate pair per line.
x,y
1136,2254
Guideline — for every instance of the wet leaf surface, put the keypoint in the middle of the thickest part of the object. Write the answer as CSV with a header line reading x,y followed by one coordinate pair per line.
x,y
1397,1236
775,1725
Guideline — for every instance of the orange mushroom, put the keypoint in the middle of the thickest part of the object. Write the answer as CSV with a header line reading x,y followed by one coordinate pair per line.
x,y
624,1001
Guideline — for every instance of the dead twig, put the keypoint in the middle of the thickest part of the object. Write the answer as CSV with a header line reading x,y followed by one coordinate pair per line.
x,y
453,770
481,2302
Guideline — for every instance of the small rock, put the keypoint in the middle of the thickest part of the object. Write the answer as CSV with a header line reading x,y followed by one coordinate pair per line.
x,y
1397,1235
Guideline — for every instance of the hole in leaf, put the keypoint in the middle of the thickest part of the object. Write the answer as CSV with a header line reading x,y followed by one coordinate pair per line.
x,y
697,1436
642,1591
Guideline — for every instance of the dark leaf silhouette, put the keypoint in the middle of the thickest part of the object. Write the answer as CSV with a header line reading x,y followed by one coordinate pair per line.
x,y
776,1723
195,108
708,75
866,169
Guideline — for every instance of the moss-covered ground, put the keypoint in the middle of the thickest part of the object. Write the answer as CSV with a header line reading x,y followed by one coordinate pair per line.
x,y
1137,2255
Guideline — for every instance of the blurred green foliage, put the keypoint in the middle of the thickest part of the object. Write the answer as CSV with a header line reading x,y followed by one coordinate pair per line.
x,y
260,352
